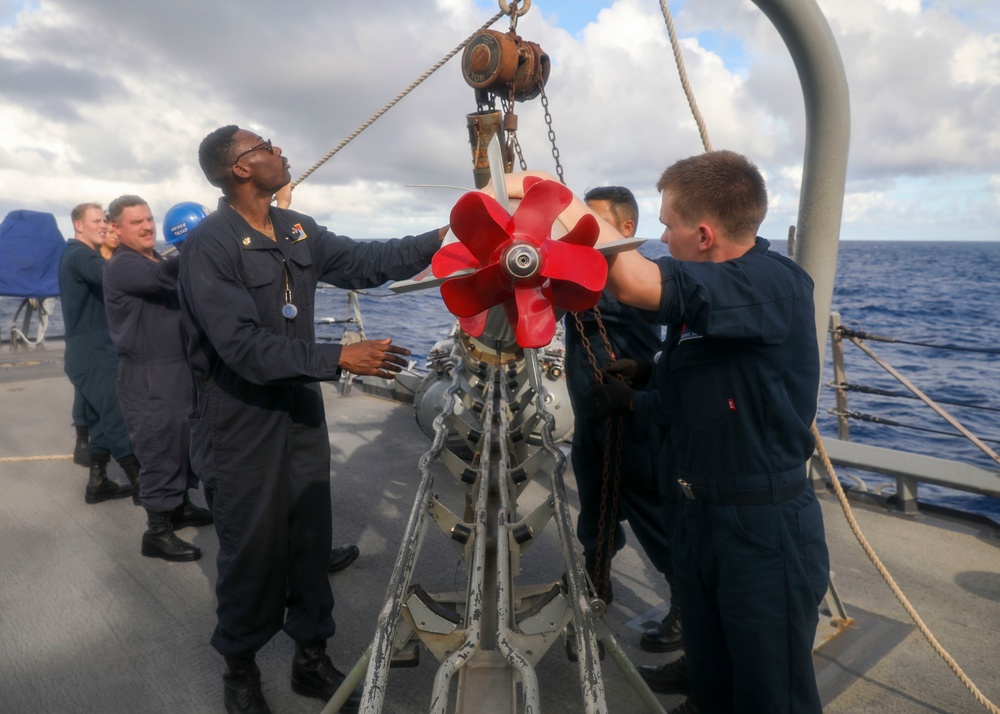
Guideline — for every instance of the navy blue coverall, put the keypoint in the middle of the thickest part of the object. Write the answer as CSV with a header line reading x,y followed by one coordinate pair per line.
x,y
155,386
259,438
737,389
632,335
91,362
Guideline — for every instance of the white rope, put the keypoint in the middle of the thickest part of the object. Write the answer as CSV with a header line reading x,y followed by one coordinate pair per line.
x,y
688,92
891,582
374,117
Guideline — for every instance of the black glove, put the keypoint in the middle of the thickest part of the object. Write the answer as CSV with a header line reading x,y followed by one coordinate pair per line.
x,y
614,397
634,372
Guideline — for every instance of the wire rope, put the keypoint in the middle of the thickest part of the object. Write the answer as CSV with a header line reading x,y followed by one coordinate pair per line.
x,y
374,117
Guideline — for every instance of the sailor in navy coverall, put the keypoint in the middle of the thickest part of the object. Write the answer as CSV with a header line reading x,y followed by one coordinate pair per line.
x,y
736,392
259,438
155,387
633,334
91,362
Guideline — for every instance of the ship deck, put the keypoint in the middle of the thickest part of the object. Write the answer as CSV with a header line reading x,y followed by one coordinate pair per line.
x,y
89,625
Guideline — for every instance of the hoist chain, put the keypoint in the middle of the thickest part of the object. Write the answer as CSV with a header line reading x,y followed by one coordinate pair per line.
x,y
508,107
605,550
552,134
485,101
517,149
610,478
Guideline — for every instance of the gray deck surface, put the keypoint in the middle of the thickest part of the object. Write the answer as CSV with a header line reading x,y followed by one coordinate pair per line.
x,y
89,625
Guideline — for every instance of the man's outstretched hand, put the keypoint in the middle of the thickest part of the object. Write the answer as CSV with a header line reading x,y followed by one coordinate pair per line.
x,y
378,358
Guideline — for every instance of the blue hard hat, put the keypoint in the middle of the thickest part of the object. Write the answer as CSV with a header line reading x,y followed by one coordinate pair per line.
x,y
181,220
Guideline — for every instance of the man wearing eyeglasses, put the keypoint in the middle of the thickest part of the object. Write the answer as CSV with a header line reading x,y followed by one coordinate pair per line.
x,y
259,438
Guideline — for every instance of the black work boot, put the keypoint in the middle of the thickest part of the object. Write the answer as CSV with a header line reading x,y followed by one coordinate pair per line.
x,y
99,486
81,456
342,557
160,541
130,465
188,514
671,678
313,675
242,687
686,707
667,635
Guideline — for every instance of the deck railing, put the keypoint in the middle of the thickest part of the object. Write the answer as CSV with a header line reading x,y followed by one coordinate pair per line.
x,y
907,469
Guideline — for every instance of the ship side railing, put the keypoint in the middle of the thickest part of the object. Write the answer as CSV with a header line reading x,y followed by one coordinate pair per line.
x,y
907,469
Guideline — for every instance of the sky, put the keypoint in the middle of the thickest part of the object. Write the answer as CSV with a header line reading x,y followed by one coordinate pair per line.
x,y
100,98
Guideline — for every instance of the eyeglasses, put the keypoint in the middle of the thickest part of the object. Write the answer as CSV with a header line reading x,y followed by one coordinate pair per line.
x,y
261,145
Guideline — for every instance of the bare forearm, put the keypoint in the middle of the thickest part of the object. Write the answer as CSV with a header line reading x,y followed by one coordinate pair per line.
x,y
635,280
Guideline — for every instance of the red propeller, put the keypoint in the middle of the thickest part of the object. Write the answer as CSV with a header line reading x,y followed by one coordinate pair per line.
x,y
518,265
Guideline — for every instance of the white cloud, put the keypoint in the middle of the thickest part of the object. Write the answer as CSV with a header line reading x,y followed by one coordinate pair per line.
x,y
977,61
98,99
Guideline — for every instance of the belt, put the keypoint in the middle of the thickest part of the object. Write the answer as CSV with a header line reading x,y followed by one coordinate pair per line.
x,y
743,496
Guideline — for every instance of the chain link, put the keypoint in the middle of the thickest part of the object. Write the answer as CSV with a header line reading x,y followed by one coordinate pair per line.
x,y
512,143
610,477
552,134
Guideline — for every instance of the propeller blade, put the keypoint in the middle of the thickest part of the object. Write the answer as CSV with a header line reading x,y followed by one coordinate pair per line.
x,y
475,293
536,320
452,257
573,297
528,182
538,210
480,223
585,232
574,263
474,325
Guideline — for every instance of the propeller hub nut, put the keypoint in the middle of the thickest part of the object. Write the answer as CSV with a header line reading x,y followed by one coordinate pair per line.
x,y
521,261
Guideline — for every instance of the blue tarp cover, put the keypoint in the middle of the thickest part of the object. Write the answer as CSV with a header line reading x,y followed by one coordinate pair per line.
x,y
30,246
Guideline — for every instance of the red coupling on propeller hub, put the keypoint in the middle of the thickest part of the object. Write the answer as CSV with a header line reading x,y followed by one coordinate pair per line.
x,y
517,263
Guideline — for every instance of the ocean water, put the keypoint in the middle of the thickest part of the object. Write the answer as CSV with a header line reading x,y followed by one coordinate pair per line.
x,y
945,293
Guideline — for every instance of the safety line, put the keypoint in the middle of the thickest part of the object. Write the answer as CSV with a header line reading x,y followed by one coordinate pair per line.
x,y
864,389
925,399
875,419
874,337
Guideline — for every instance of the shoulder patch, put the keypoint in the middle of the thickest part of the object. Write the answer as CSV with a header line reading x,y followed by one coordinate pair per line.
x,y
688,334
298,233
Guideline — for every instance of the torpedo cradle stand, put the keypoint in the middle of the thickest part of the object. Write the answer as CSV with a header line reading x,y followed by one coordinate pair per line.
x,y
495,435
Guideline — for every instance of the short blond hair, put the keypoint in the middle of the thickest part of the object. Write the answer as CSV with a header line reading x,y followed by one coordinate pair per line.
x,y
77,213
